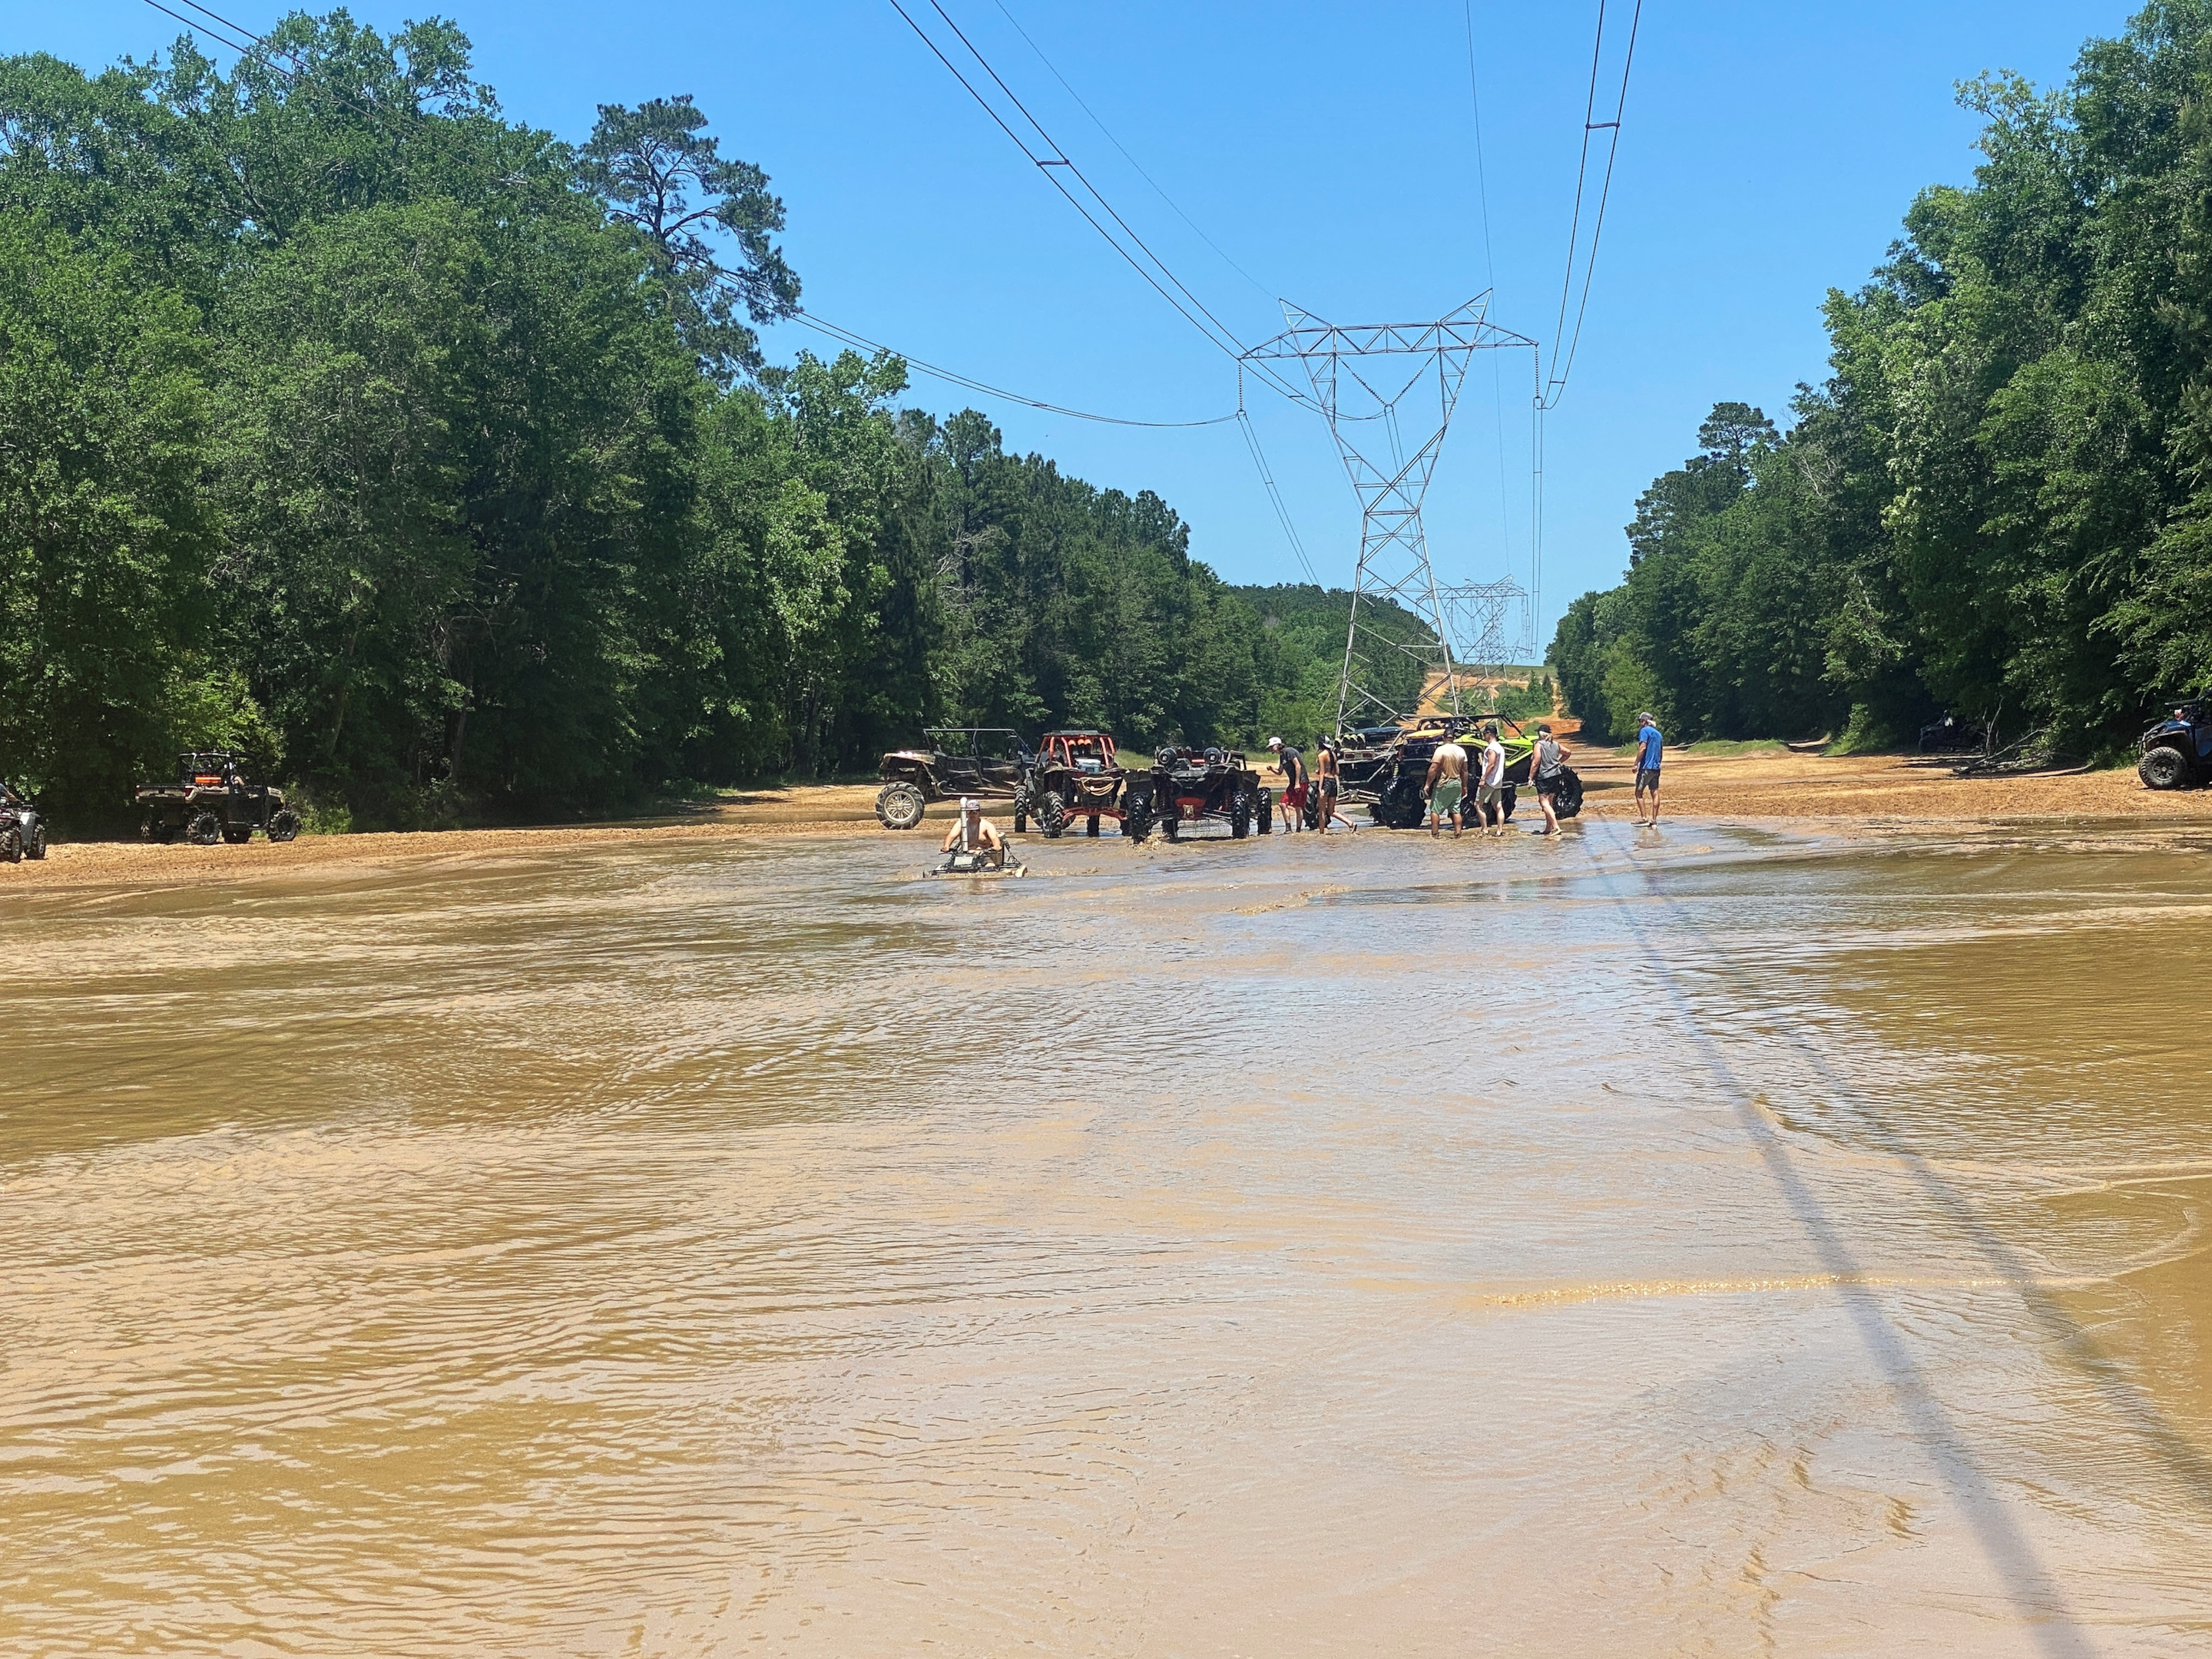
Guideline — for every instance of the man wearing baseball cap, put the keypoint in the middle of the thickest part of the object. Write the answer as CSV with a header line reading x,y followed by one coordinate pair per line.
x,y
973,833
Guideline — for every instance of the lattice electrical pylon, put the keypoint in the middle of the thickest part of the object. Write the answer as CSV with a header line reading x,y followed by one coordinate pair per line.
x,y
1476,615
1361,376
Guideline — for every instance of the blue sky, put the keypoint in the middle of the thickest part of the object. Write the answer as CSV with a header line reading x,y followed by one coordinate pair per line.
x,y
1768,153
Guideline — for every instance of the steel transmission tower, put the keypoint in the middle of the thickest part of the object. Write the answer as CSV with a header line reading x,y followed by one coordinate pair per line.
x,y
1477,614
1382,386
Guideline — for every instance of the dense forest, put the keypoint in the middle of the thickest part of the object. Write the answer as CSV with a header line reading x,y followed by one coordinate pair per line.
x,y
1999,500
435,463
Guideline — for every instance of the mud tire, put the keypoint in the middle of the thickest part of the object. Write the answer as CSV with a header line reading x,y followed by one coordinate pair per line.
x,y
1240,815
1022,810
1052,815
283,825
1265,809
1506,804
35,847
2163,768
204,829
1568,803
899,805
11,845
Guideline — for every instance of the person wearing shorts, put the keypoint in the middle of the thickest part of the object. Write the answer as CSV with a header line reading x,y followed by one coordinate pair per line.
x,y
1549,766
1325,785
1649,744
1447,783
1291,766
1490,791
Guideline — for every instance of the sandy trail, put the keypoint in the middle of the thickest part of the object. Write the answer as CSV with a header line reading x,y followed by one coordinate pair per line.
x,y
1777,785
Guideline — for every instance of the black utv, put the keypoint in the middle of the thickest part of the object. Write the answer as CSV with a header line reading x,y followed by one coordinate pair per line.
x,y
211,801
1196,785
2177,753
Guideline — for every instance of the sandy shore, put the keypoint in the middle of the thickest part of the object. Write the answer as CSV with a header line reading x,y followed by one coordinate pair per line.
x,y
1777,785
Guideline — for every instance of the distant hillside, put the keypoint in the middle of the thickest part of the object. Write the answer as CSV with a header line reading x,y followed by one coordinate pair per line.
x,y
1306,625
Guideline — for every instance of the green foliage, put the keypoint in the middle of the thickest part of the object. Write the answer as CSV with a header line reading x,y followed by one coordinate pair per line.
x,y
435,463
1997,501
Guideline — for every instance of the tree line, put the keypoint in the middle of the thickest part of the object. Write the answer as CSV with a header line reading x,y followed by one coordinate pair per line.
x,y
1999,502
435,464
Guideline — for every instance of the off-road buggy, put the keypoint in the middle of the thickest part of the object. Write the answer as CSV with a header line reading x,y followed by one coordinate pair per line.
x,y
22,826
989,762
1196,785
2177,753
210,802
1075,776
1401,788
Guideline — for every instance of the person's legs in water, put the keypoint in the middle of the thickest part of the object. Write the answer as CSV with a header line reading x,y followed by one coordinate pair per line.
x,y
1547,798
1445,804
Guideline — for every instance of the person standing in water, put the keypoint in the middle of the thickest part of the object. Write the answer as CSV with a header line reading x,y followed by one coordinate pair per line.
x,y
1325,785
1649,743
1548,766
1447,784
1290,767
1490,792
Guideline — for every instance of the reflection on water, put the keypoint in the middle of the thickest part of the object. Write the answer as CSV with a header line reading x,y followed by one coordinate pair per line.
x,y
1719,1242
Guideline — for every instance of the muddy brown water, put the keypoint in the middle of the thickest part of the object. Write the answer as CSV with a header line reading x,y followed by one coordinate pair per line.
x,y
1724,1243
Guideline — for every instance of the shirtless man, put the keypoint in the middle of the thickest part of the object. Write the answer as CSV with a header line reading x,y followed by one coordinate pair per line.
x,y
973,833
1447,784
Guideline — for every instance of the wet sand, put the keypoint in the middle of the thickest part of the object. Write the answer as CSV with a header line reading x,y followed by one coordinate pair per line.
x,y
1730,1239
1835,793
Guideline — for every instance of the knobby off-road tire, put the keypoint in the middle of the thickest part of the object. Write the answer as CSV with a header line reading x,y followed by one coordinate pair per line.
x,y
1240,815
11,846
35,847
2163,768
1568,803
283,825
1022,809
899,805
1052,815
1267,810
1505,804
205,830
237,834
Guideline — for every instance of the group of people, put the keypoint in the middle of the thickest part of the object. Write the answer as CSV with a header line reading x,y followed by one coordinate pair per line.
x,y
1446,784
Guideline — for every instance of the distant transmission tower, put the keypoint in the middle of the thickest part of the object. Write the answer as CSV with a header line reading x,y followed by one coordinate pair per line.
x,y
1361,377
1489,623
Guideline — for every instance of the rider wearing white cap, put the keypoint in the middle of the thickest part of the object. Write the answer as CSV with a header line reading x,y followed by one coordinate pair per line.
x,y
973,833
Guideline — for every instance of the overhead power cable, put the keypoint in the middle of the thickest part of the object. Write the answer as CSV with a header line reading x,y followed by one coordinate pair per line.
x,y
1564,346
1052,161
1197,229
808,320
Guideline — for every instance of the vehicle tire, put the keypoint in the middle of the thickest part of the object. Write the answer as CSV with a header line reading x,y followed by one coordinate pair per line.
x,y
2163,768
11,846
204,829
1173,825
284,824
1505,803
1022,810
1052,815
237,834
35,847
898,806
1240,815
1093,830
1569,801
1136,823
1267,810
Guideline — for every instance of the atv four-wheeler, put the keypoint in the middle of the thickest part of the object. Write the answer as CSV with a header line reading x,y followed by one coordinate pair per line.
x,y
1075,776
210,802
989,762
2177,753
1196,786
22,826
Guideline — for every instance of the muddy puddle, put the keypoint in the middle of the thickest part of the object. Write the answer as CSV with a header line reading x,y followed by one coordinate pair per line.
x,y
1729,1242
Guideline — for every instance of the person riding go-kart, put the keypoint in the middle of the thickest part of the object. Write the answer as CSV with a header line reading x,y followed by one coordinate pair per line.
x,y
973,847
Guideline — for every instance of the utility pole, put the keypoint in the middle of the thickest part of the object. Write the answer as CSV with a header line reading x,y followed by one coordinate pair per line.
x,y
1381,386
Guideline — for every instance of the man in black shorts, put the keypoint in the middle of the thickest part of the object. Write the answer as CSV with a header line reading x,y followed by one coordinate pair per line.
x,y
1549,767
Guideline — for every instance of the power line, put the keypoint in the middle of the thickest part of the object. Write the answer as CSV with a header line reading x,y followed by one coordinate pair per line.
x,y
1563,365
1217,333
1131,160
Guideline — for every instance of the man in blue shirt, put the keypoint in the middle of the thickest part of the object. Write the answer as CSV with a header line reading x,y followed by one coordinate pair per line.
x,y
1648,745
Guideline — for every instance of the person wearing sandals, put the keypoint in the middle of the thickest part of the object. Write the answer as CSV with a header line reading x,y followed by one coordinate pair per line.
x,y
1549,767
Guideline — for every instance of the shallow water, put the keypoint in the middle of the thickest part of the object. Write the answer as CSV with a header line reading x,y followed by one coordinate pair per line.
x,y
1724,1243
